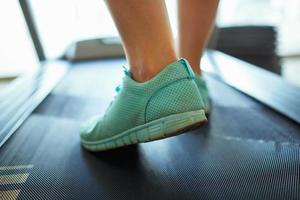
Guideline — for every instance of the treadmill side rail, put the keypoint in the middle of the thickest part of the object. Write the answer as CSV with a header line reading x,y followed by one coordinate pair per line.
x,y
262,85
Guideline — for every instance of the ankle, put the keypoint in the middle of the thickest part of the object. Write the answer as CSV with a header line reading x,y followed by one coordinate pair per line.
x,y
145,70
197,71
142,75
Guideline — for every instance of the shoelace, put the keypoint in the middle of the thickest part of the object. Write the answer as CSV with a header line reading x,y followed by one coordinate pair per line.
x,y
118,88
127,73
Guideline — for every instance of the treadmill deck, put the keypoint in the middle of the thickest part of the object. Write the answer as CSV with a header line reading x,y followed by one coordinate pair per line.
x,y
245,151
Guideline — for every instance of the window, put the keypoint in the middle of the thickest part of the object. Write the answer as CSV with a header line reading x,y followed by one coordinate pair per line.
x,y
60,22
17,54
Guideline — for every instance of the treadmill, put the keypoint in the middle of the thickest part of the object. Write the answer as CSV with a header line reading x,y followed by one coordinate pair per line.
x,y
249,149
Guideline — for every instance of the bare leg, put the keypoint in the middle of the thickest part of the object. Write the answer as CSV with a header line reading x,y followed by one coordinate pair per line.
x,y
146,34
139,108
196,19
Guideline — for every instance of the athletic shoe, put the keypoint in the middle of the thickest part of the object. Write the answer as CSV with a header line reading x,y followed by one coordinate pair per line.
x,y
164,106
202,86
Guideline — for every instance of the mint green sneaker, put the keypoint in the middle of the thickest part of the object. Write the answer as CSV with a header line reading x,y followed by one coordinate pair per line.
x,y
201,83
164,106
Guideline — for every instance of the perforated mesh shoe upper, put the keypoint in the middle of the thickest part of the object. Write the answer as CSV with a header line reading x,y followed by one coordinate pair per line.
x,y
172,91
203,89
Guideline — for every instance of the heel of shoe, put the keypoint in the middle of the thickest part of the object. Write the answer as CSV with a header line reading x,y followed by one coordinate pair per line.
x,y
178,97
175,125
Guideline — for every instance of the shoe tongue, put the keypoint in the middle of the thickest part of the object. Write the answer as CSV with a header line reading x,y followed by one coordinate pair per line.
x,y
127,72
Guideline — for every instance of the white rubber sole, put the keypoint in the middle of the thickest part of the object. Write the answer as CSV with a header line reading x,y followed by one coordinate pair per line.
x,y
154,130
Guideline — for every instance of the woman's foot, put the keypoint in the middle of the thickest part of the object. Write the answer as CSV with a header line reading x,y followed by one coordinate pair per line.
x,y
164,106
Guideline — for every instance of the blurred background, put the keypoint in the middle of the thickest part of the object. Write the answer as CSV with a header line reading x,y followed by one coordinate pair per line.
x,y
273,24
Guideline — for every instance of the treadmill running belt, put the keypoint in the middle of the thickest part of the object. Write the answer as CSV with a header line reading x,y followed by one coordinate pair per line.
x,y
245,151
